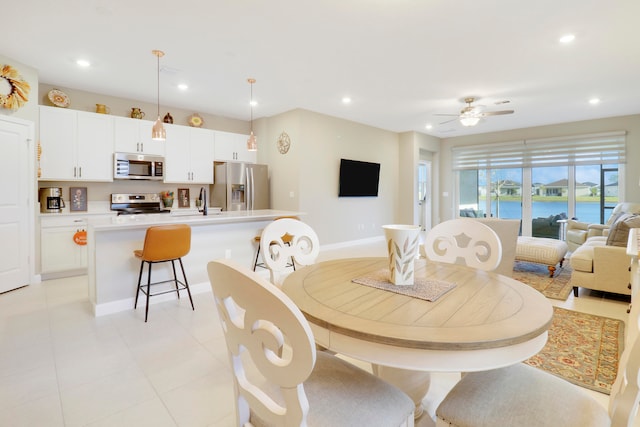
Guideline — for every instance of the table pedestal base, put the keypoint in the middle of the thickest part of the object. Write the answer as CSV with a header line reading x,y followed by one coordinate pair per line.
x,y
413,383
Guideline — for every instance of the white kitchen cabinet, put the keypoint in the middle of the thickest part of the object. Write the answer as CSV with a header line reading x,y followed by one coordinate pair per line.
x,y
59,253
134,136
189,155
76,145
233,147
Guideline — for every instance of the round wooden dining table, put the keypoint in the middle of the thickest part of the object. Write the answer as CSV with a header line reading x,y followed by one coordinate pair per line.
x,y
485,321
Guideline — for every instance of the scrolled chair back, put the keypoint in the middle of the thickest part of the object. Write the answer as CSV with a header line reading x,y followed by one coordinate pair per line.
x,y
288,239
464,241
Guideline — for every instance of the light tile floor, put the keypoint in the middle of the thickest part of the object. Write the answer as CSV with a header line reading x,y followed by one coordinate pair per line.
x,y
61,366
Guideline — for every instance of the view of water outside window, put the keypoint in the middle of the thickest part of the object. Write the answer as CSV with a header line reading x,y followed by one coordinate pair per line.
x,y
549,194
506,193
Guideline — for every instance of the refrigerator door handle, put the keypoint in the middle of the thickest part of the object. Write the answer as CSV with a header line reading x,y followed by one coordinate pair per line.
x,y
248,189
252,187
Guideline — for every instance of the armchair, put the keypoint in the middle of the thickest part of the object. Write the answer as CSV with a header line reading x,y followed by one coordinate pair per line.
x,y
579,231
602,263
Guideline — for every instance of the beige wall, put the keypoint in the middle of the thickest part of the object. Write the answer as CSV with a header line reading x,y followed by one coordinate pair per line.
x,y
631,124
310,172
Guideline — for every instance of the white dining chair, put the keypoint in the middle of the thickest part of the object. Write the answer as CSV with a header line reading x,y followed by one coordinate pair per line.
x,y
295,385
524,396
507,231
288,240
464,241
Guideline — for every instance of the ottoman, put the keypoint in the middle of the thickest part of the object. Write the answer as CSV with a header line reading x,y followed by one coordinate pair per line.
x,y
541,250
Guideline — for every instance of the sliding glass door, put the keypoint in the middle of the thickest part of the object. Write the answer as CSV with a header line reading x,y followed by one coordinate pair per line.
x,y
549,200
542,181
540,196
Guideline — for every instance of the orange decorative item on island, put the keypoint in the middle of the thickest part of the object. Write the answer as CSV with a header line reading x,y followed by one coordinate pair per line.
x,y
80,238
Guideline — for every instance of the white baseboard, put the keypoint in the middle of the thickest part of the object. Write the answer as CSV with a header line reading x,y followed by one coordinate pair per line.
x,y
127,304
341,245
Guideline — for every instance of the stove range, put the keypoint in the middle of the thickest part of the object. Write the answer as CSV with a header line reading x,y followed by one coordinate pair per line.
x,y
136,203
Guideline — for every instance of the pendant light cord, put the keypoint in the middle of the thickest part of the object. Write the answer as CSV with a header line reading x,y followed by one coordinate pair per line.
x,y
251,82
158,80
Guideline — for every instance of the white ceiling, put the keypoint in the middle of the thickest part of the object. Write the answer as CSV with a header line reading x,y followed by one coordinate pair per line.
x,y
401,61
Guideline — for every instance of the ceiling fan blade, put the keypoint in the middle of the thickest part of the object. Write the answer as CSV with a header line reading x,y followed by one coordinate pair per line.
x,y
448,121
453,115
496,113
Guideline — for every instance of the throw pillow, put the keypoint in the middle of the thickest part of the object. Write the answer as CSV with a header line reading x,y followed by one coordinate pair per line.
x,y
619,231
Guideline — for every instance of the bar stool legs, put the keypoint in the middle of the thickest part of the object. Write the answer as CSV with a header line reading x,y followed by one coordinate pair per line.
x,y
261,264
165,243
179,285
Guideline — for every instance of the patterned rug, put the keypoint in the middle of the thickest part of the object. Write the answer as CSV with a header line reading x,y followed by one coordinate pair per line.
x,y
583,349
537,276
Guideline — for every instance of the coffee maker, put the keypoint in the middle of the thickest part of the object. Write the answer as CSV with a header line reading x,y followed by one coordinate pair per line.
x,y
51,200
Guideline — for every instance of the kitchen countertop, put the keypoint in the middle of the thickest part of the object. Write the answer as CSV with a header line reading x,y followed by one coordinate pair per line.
x,y
224,217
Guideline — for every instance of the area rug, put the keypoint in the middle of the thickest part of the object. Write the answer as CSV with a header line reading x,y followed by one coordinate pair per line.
x,y
583,349
537,276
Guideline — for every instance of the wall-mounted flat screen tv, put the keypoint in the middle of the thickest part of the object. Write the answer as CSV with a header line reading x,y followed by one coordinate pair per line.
x,y
358,179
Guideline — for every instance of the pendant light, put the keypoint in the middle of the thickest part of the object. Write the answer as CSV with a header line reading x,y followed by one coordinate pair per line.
x,y
158,133
252,142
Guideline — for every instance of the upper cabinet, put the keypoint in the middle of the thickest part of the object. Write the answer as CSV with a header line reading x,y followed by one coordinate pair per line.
x,y
233,147
76,145
134,136
189,155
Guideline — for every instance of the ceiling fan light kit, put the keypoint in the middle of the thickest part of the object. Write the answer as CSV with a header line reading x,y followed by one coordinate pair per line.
x,y
469,120
471,115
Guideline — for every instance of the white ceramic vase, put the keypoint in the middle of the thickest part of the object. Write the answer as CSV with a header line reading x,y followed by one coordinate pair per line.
x,y
402,246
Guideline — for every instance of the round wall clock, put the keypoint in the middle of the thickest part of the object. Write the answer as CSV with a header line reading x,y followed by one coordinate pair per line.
x,y
284,142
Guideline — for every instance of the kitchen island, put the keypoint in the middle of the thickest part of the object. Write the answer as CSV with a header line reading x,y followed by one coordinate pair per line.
x,y
113,270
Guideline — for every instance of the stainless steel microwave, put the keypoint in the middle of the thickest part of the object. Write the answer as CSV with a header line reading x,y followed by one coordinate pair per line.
x,y
138,166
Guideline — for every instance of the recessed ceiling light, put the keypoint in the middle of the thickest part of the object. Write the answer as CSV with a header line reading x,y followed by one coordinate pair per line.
x,y
429,126
567,38
83,63
594,101
253,103
183,86
346,100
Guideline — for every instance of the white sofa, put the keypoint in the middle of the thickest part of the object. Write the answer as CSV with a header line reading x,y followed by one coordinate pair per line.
x,y
578,231
601,263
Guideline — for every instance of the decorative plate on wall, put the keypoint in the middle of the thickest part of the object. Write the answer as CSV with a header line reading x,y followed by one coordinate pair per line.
x,y
284,143
195,120
59,98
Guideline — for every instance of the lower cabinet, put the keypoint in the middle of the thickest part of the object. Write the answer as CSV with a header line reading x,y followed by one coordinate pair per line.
x,y
62,252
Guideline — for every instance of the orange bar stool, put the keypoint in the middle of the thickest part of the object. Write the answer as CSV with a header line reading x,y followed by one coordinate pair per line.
x,y
163,243
286,239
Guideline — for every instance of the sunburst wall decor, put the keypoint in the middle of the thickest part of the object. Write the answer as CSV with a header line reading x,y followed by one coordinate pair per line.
x,y
18,93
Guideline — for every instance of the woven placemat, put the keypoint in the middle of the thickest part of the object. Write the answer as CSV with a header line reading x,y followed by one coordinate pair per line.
x,y
423,288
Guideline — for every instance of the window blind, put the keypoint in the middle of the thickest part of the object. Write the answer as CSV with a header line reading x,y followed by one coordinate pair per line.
x,y
592,149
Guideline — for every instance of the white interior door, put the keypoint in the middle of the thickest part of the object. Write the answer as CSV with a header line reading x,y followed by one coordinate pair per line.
x,y
424,194
15,214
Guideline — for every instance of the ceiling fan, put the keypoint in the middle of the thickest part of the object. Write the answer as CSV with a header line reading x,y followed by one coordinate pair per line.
x,y
471,114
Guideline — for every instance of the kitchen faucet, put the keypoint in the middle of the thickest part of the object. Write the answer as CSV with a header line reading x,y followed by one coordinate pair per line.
x,y
203,200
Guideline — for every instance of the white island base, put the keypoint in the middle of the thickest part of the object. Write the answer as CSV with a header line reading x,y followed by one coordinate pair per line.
x,y
113,270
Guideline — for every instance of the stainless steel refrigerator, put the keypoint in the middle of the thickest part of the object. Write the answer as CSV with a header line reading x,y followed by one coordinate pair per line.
x,y
240,186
